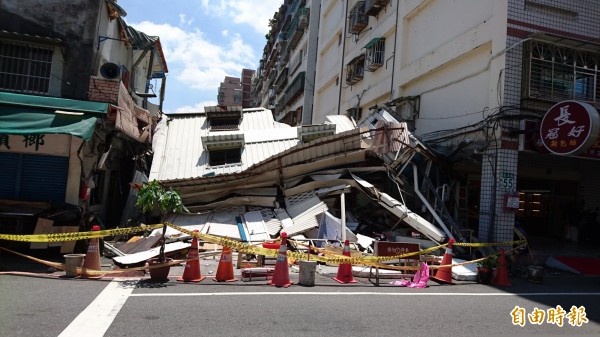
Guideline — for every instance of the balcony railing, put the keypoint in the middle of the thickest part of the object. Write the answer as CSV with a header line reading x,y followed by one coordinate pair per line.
x,y
281,80
296,62
295,89
297,27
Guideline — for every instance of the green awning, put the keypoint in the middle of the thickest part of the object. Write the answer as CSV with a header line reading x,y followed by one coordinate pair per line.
x,y
30,114
373,42
52,103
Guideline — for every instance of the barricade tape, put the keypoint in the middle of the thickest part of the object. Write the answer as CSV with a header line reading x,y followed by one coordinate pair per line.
x,y
327,257
91,272
74,236
490,244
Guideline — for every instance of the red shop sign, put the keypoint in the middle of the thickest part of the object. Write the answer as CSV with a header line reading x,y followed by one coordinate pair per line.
x,y
570,128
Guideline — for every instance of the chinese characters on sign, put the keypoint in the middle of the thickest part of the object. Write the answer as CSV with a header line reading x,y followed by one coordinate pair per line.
x,y
42,144
385,248
558,316
29,141
570,128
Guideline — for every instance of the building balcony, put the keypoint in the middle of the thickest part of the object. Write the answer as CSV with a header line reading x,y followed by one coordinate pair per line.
x,y
281,80
295,89
297,27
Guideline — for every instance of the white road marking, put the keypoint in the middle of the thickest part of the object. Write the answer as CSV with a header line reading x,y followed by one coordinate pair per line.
x,y
357,293
98,316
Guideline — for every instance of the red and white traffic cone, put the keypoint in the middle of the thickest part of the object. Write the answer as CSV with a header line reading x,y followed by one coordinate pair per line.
x,y
444,274
281,275
344,274
225,268
92,257
191,272
501,274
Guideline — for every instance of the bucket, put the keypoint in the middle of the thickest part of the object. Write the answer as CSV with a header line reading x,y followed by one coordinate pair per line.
x,y
307,273
72,261
535,274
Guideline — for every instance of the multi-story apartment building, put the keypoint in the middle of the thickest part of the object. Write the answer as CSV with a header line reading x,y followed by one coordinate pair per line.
x,y
230,92
284,81
474,79
247,100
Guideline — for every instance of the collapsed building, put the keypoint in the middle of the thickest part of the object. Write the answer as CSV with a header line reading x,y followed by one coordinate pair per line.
x,y
245,176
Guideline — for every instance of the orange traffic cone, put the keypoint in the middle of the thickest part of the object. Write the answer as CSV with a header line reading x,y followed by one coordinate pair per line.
x,y
225,268
344,274
444,274
501,274
191,273
92,257
281,275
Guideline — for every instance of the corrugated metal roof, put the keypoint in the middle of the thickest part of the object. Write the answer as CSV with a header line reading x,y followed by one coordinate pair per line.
x,y
307,220
180,154
255,227
298,203
224,223
342,122
32,38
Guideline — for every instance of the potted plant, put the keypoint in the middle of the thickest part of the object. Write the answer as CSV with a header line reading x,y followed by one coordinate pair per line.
x,y
485,269
154,197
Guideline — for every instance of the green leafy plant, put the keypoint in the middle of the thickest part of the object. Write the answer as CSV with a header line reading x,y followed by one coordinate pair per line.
x,y
489,263
153,196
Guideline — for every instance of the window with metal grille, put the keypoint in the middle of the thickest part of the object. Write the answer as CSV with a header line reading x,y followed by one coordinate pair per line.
x,y
224,156
25,68
223,124
558,73
355,70
357,19
375,51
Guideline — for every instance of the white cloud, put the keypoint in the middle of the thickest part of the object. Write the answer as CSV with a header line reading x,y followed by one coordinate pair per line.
x,y
197,62
251,12
183,20
225,32
198,107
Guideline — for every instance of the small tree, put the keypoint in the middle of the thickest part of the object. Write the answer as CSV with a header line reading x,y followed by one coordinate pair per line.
x,y
153,195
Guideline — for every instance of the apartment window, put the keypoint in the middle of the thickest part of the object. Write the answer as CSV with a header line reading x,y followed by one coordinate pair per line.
x,y
25,68
223,124
374,54
225,156
558,73
357,19
355,70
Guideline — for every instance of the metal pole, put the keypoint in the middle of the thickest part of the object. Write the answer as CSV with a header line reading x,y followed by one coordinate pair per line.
x,y
343,206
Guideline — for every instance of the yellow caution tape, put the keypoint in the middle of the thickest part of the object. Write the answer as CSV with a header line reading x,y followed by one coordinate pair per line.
x,y
60,237
327,257
86,272
490,244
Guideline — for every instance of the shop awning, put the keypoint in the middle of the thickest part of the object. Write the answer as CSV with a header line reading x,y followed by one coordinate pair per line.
x,y
29,114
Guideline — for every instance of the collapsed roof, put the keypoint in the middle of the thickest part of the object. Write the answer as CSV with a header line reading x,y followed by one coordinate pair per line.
x,y
289,182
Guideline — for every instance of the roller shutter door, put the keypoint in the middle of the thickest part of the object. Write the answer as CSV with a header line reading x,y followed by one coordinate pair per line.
x,y
33,177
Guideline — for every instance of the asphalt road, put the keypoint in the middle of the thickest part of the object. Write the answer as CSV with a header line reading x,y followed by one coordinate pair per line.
x,y
36,306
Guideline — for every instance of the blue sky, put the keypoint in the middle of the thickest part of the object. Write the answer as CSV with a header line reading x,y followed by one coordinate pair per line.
x,y
203,41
